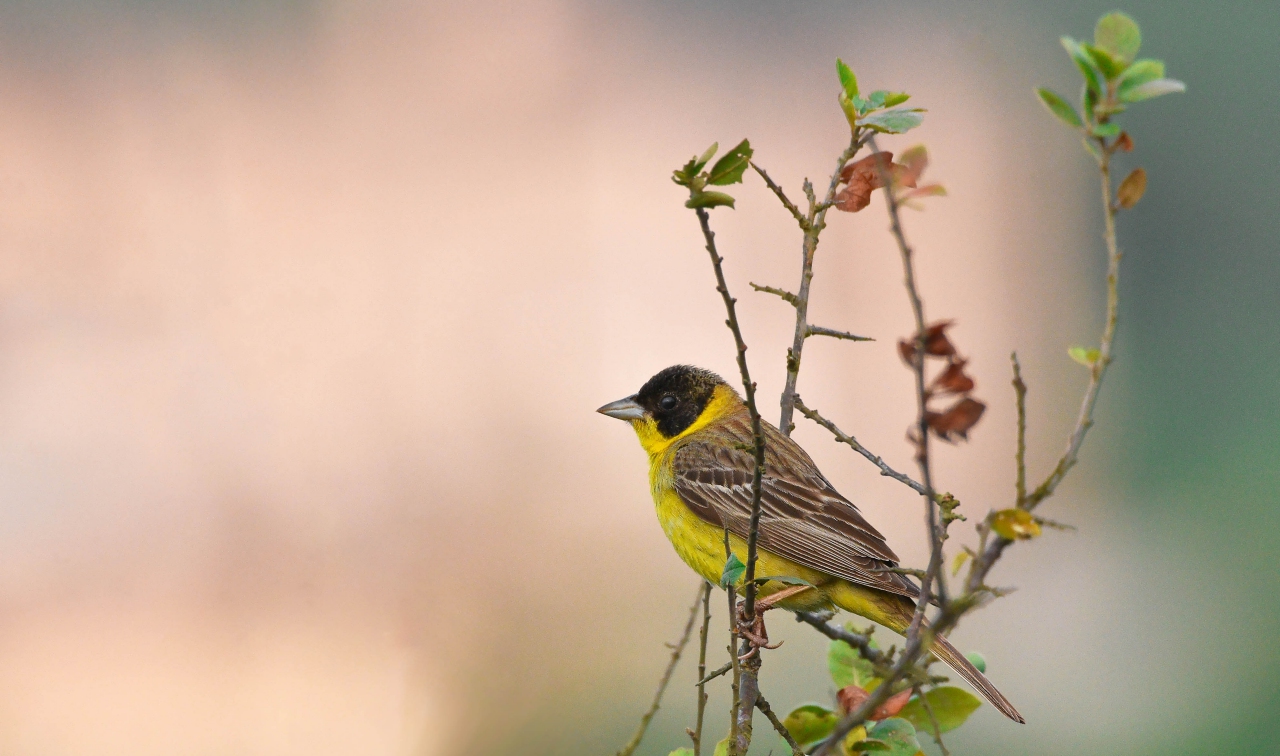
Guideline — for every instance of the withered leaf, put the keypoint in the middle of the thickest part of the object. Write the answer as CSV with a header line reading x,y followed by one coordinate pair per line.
x,y
1125,142
862,177
956,421
852,696
1132,188
953,380
913,163
935,339
907,351
1015,524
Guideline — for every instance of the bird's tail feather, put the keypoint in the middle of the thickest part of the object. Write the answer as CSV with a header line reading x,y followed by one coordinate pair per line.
x,y
948,654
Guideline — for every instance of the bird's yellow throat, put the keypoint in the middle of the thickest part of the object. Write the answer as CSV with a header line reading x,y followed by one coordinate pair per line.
x,y
723,401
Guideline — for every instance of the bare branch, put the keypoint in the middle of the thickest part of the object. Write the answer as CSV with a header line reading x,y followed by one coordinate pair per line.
x,y
845,438
676,650
787,296
767,710
860,642
817,221
937,531
696,735
748,686
814,330
708,678
1020,456
782,196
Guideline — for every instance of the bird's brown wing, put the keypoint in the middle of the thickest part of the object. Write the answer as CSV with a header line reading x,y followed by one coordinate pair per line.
x,y
802,517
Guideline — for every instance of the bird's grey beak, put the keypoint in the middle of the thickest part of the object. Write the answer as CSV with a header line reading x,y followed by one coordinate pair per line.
x,y
623,409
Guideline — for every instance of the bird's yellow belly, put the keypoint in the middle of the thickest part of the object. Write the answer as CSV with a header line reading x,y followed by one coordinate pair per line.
x,y
701,546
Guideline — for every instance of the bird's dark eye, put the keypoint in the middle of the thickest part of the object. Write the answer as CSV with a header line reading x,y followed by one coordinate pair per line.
x,y
668,402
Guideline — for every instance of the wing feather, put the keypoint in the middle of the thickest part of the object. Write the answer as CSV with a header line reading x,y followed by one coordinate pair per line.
x,y
802,517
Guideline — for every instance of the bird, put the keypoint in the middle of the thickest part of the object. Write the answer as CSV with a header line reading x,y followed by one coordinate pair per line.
x,y
698,434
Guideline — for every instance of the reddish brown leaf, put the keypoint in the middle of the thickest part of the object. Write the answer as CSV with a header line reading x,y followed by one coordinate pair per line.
x,y
1132,188
907,351
957,420
912,165
952,380
1125,142
863,177
935,339
852,696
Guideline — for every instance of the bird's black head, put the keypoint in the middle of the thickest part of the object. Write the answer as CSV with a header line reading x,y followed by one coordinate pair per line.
x,y
675,397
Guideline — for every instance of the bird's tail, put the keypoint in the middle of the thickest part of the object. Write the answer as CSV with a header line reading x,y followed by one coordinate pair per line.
x,y
895,613
948,654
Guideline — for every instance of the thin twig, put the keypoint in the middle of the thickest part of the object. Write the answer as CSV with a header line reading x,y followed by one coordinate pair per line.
x,y
933,720
734,663
708,678
786,296
815,222
1020,456
993,547
782,197
767,710
937,532
748,682
814,330
702,667
676,650
845,438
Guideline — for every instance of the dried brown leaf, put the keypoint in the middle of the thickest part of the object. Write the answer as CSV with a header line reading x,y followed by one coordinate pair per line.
x,y
956,421
1125,142
1132,188
935,339
862,177
952,380
907,351
852,696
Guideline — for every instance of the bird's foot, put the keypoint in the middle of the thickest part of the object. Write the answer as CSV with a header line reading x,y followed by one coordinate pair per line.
x,y
753,630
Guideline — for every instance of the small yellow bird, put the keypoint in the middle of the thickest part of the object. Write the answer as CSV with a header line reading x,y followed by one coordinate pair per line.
x,y
697,432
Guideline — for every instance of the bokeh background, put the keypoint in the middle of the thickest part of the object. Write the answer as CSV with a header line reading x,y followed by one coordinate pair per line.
x,y
305,308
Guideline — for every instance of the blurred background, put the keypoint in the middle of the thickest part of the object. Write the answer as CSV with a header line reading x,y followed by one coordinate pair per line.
x,y
306,307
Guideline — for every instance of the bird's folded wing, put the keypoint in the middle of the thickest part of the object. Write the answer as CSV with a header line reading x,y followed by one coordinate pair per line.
x,y
802,517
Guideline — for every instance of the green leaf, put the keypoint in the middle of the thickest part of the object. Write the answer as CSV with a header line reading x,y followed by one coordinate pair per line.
x,y
896,98
681,752
733,566
1060,108
951,707
1104,62
1083,356
1119,35
722,748
846,665
709,200
977,660
876,99
1141,72
1106,130
710,153
1152,89
898,734
810,723
893,121
868,745
788,579
848,81
729,168
850,109
1092,76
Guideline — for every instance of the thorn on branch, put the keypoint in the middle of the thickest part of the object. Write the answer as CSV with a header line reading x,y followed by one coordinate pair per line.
x,y
814,330
786,296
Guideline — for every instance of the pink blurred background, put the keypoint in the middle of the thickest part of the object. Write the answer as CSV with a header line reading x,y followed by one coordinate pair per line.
x,y
306,310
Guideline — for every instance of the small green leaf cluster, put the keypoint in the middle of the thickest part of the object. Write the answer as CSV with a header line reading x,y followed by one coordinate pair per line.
x,y
727,170
943,708
1114,77
877,111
